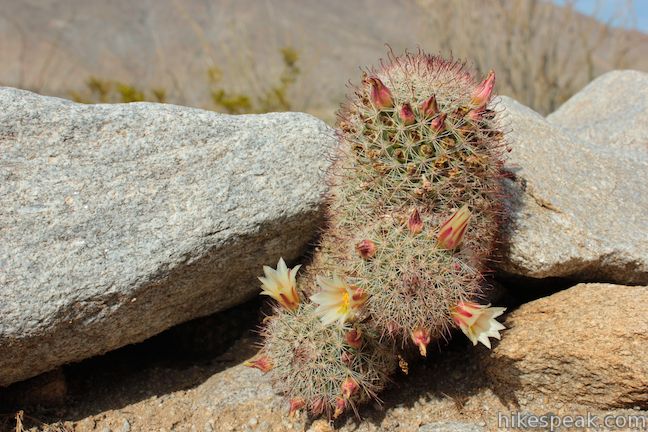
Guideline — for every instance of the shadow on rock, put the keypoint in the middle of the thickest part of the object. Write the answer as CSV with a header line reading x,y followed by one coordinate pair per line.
x,y
178,359
455,372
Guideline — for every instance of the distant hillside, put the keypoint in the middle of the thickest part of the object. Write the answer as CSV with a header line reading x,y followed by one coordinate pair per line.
x,y
54,46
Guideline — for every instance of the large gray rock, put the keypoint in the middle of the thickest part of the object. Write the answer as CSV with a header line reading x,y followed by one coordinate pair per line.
x,y
576,212
119,221
610,115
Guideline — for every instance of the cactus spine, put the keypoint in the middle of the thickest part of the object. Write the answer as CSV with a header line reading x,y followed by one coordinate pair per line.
x,y
413,215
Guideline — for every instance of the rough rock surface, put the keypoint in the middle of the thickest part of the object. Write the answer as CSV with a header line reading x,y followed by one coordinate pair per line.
x,y
610,115
447,392
576,212
587,344
119,221
451,427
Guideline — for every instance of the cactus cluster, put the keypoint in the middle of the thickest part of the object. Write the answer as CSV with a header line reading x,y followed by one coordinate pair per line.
x,y
413,214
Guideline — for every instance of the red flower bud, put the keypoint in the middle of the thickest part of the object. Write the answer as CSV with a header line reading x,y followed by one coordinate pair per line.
x,y
452,231
349,388
317,406
482,94
381,97
354,338
429,107
262,363
359,297
366,249
407,115
340,407
415,223
295,405
438,124
476,114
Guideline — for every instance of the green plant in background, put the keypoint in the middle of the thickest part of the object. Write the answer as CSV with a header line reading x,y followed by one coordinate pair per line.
x,y
413,216
275,98
111,91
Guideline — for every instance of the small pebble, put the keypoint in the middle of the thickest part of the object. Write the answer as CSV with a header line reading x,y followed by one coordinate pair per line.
x,y
126,427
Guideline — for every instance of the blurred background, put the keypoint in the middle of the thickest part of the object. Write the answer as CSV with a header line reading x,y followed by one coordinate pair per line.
x,y
240,56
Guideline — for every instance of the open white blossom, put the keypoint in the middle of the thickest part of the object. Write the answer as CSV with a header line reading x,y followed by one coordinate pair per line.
x,y
478,321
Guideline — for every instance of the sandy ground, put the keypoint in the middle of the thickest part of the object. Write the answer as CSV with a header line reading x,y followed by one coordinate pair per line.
x,y
191,378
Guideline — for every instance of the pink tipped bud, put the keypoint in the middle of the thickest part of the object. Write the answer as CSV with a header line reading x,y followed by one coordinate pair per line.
x,y
317,406
354,338
452,231
407,115
476,114
349,388
381,97
340,407
262,363
438,124
482,94
359,297
415,223
421,338
295,405
366,249
429,108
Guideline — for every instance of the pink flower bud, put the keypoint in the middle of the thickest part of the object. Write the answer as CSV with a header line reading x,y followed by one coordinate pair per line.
x,y
429,107
482,94
381,97
340,407
407,115
359,297
349,388
415,223
262,363
317,406
438,124
366,249
421,338
295,405
354,338
452,231
476,114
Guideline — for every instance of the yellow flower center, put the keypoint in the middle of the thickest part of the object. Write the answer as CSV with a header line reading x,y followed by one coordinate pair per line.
x,y
344,304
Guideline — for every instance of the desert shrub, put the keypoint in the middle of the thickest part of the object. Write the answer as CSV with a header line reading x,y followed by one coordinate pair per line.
x,y
544,54
98,90
275,96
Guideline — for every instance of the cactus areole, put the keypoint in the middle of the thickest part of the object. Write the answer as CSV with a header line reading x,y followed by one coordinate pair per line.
x,y
413,211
